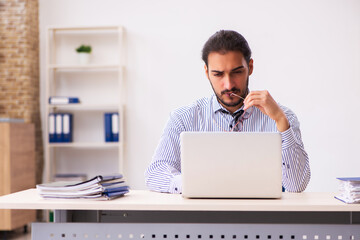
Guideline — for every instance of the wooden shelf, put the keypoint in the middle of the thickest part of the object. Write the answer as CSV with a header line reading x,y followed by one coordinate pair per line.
x,y
93,29
113,67
83,107
85,145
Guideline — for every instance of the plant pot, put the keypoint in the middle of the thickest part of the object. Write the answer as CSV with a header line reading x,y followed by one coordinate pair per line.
x,y
84,58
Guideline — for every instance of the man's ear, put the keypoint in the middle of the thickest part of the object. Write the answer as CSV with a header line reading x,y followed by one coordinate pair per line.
x,y
206,71
251,66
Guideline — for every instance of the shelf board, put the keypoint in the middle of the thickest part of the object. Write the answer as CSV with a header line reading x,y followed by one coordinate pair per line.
x,y
85,28
85,145
83,107
85,67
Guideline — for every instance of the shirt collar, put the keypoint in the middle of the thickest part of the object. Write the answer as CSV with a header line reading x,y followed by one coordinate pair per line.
x,y
216,105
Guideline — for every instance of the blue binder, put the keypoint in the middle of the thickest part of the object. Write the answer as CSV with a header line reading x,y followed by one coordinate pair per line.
x,y
107,125
63,100
58,128
115,127
67,120
51,127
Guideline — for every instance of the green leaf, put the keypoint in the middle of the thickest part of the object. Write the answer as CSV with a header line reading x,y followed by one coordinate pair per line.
x,y
84,48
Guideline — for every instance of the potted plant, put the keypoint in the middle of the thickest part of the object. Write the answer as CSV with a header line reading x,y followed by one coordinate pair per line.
x,y
84,52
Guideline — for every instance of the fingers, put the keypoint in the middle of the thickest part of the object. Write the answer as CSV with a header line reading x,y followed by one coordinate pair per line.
x,y
258,99
267,105
264,101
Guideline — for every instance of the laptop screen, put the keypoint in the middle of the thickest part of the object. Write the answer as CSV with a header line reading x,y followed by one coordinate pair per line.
x,y
231,165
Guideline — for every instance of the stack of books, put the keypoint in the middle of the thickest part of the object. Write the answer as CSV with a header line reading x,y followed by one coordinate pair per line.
x,y
349,191
99,187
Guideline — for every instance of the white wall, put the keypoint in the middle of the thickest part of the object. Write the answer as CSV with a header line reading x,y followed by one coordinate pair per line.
x,y
307,53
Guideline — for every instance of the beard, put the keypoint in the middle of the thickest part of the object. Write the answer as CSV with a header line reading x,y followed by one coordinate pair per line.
x,y
241,92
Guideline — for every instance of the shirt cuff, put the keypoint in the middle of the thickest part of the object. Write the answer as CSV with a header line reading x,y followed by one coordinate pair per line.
x,y
288,138
176,184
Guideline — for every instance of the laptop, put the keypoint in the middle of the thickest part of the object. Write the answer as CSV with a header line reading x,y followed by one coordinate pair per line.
x,y
231,165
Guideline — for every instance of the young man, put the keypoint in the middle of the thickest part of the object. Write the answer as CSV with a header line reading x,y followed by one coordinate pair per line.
x,y
232,107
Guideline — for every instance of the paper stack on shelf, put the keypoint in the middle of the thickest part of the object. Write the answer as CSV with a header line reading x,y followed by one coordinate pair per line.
x,y
99,187
349,191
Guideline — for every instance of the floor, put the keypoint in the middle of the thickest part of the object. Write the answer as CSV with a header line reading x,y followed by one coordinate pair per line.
x,y
17,234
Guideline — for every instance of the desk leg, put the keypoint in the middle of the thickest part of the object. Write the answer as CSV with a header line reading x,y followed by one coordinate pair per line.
x,y
66,216
60,216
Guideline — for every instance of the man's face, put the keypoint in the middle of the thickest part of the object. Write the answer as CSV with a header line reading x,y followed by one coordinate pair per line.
x,y
229,73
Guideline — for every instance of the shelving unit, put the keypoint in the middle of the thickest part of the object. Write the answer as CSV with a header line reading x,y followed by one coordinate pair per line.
x,y
98,85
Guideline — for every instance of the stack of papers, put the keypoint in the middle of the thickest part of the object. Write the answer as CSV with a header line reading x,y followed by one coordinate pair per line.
x,y
99,187
349,190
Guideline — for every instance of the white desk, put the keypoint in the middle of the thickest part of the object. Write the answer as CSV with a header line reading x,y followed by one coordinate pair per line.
x,y
150,215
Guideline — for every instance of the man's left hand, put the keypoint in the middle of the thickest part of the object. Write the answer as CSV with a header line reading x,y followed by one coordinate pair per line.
x,y
267,105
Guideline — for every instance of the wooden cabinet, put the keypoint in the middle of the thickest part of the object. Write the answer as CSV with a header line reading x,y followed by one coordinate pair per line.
x,y
17,169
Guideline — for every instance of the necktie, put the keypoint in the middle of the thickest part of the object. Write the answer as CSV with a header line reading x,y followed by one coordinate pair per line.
x,y
236,117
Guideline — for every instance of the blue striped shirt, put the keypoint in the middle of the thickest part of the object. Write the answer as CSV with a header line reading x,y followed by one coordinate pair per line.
x,y
207,114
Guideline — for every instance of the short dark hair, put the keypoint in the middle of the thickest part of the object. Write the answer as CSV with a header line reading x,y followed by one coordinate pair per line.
x,y
226,40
